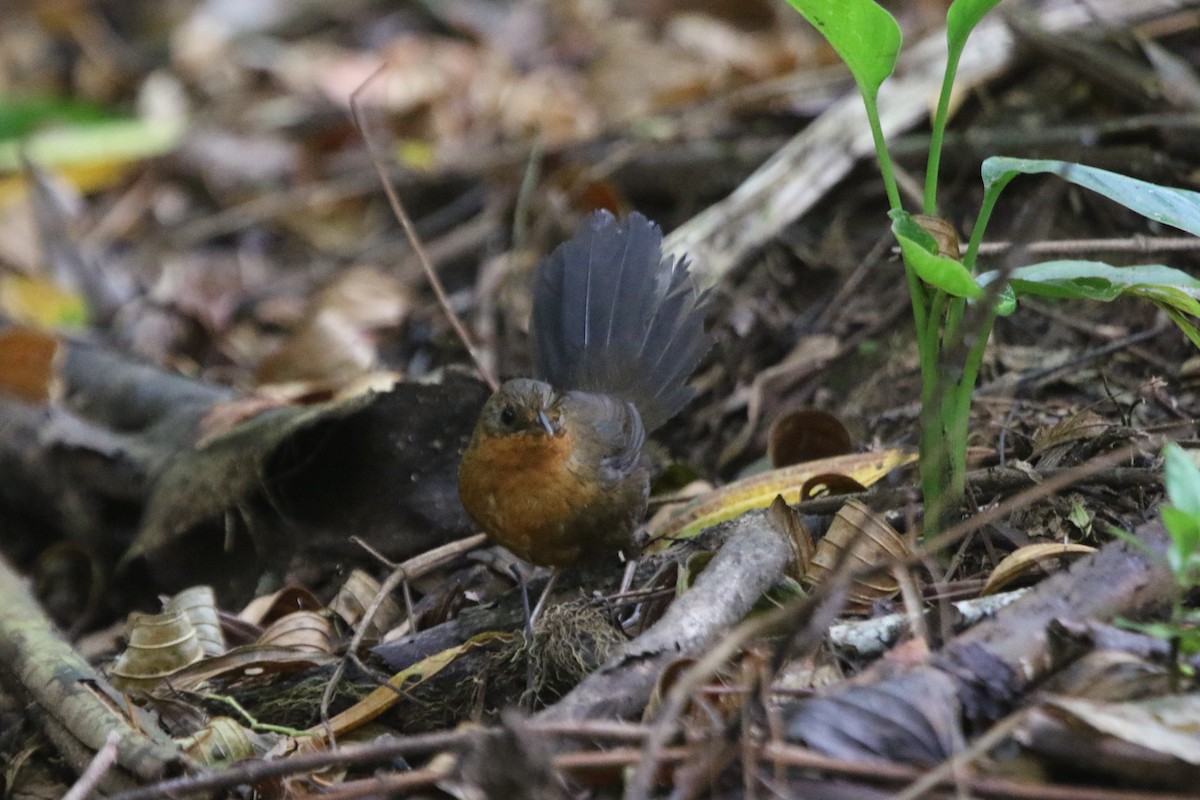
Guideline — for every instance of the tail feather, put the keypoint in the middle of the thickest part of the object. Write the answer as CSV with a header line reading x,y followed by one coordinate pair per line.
x,y
611,315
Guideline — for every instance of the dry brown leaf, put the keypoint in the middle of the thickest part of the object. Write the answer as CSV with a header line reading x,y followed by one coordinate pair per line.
x,y
1158,734
1028,558
1110,676
199,605
870,541
267,608
353,599
307,631
27,364
942,232
789,522
806,435
159,645
1084,425
224,740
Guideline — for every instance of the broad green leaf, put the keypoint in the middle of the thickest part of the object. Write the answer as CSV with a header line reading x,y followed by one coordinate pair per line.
x,y
1185,324
1179,208
1174,291
903,224
1184,530
1095,280
20,116
106,141
962,18
1182,480
919,250
865,36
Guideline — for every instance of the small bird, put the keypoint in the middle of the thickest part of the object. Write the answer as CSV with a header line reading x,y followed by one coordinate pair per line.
x,y
555,470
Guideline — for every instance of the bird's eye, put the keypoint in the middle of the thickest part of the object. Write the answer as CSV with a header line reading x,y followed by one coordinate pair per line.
x,y
508,415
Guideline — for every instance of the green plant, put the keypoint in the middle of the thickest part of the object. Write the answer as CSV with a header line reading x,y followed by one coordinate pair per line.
x,y
1181,518
944,285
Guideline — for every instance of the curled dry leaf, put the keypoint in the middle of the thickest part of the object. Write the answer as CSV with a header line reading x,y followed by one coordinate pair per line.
x,y
705,706
942,232
1047,556
199,605
159,645
224,740
759,491
247,665
308,631
267,608
788,521
829,485
869,540
353,599
327,349
806,435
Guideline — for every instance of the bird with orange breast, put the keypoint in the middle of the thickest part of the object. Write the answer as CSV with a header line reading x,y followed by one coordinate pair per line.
x,y
555,470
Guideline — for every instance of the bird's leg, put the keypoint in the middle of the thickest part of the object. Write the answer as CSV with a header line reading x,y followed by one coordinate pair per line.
x,y
520,578
537,609
531,616
627,577
635,613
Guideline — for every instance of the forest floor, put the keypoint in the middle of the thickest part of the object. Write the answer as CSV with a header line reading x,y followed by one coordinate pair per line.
x,y
223,364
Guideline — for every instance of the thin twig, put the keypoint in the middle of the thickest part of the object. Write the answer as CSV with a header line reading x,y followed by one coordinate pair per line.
x,y
1127,244
402,216
101,763
952,768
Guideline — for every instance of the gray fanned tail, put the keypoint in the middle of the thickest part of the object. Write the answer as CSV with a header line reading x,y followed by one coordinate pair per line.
x,y
612,315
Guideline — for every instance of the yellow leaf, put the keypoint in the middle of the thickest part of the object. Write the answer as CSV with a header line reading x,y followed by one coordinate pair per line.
x,y
758,491
416,154
387,696
40,302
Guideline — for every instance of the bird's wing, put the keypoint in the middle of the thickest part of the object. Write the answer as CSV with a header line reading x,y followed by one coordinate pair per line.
x,y
607,433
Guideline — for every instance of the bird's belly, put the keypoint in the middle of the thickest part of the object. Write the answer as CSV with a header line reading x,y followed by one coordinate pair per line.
x,y
530,501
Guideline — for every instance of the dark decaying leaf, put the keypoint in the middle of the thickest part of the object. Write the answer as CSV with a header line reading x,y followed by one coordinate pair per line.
x,y
806,435
384,465
829,485
912,719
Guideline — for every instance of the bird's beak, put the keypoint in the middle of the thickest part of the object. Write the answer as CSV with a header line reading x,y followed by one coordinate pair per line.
x,y
542,418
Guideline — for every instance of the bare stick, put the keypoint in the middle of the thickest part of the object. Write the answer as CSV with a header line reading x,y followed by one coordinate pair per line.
x,y
103,761
402,215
